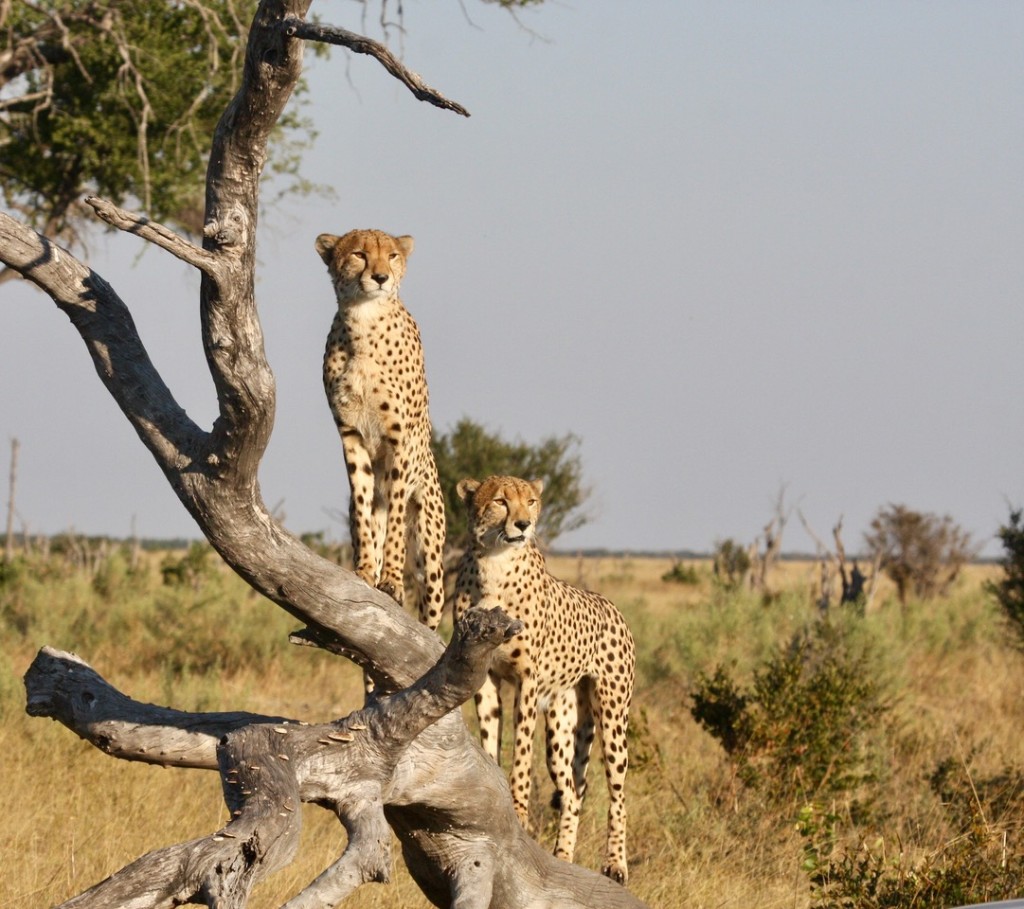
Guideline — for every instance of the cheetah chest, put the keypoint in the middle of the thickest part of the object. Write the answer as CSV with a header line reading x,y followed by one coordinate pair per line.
x,y
373,374
557,655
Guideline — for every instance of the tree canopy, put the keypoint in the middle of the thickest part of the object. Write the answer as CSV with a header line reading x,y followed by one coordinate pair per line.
x,y
119,98
921,552
470,450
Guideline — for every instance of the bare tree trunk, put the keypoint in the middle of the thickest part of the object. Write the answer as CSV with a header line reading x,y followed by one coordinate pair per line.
x,y
826,566
11,508
762,564
448,803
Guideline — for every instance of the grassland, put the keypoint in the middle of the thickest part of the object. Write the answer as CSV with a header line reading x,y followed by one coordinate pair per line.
x,y
948,672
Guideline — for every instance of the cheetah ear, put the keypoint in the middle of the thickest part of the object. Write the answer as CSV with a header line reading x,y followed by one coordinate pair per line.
x,y
466,489
325,244
538,486
405,243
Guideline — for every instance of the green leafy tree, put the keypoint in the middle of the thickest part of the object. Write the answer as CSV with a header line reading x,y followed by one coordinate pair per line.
x,y
120,98
731,565
1009,590
922,553
469,450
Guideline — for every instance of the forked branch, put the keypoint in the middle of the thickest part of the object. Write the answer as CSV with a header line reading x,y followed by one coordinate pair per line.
x,y
267,766
154,233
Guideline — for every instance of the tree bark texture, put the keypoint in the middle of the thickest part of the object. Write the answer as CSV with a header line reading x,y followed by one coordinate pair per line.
x,y
407,760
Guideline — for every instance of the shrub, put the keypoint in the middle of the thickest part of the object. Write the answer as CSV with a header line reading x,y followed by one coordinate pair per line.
x,y
801,729
981,862
732,564
190,569
682,574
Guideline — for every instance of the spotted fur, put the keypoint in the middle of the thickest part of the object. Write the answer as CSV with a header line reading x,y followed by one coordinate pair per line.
x,y
574,661
376,386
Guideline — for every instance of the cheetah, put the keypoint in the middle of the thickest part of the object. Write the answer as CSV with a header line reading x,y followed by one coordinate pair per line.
x,y
376,386
574,661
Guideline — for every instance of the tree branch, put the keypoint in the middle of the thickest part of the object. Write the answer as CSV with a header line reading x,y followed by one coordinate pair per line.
x,y
154,233
267,766
109,332
360,44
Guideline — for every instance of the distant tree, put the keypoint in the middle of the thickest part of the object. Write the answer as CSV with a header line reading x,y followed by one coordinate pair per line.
x,y
732,563
1009,590
922,553
469,450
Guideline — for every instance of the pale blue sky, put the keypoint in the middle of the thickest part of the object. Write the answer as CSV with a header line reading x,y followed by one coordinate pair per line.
x,y
730,245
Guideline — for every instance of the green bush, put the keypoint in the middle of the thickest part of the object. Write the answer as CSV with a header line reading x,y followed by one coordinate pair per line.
x,y
801,729
682,574
191,569
731,565
975,867
922,553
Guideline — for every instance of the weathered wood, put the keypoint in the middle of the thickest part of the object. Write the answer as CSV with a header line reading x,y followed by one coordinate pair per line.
x,y
414,767
358,767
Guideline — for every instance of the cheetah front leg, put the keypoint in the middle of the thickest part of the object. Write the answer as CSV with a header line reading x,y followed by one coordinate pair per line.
x,y
488,715
392,572
563,719
522,754
430,533
611,712
362,520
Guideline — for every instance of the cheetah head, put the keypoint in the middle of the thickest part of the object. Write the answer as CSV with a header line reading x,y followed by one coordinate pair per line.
x,y
364,264
503,511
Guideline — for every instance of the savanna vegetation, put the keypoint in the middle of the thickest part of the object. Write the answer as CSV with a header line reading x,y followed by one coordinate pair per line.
x,y
779,756
781,753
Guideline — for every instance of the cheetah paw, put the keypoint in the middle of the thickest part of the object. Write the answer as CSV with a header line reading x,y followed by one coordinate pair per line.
x,y
616,872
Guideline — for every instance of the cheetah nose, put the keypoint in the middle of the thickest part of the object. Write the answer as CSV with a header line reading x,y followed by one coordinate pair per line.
x,y
522,525
380,279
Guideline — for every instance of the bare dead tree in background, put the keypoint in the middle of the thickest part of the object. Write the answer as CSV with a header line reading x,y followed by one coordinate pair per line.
x,y
407,761
12,484
765,550
855,586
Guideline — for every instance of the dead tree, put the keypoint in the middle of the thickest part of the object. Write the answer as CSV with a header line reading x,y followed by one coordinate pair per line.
x,y
827,564
448,805
855,587
11,508
761,563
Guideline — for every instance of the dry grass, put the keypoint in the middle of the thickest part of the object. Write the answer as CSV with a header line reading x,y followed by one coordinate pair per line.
x,y
696,838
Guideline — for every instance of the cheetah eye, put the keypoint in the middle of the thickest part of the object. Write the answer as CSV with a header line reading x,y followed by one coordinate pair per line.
x,y
393,255
359,254
531,502
501,503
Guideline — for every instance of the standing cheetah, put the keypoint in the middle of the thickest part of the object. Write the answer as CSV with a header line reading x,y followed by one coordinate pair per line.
x,y
377,389
574,661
